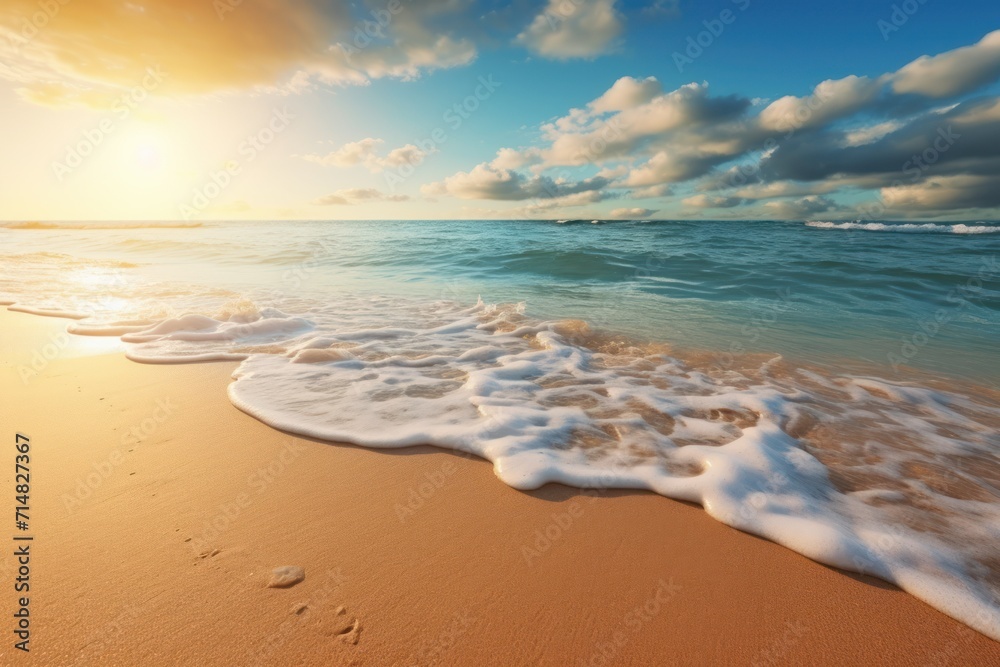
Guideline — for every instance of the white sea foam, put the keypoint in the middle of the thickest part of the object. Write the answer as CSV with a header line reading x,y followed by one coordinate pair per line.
x,y
925,228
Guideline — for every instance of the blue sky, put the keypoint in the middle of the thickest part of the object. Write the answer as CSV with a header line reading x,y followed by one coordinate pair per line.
x,y
351,123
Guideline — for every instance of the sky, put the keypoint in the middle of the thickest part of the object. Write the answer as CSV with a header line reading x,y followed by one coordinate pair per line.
x,y
468,109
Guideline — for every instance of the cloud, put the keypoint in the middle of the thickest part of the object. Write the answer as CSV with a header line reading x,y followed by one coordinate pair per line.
x,y
570,201
646,121
581,198
107,43
546,208
799,209
364,152
488,182
627,93
829,101
408,154
573,29
713,201
673,167
347,155
628,213
966,138
88,52
357,196
954,72
778,189
944,193
508,158
871,133
652,191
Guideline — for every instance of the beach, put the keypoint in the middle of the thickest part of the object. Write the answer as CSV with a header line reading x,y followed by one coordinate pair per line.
x,y
582,334
159,510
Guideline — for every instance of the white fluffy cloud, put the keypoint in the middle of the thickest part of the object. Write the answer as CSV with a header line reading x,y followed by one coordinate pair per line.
x,y
364,152
573,29
627,93
347,155
653,191
954,72
830,101
508,158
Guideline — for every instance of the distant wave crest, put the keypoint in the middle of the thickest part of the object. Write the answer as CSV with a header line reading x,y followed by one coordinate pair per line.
x,y
926,228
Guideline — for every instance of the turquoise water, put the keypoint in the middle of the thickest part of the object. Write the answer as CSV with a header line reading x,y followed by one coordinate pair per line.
x,y
922,297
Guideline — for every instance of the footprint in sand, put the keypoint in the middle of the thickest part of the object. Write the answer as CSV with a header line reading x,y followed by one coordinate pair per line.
x,y
352,633
345,628
336,624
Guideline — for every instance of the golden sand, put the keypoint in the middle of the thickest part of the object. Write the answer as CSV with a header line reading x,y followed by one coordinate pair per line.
x,y
160,513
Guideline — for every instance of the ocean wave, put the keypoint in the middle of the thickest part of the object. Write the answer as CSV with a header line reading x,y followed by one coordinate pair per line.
x,y
926,228
102,225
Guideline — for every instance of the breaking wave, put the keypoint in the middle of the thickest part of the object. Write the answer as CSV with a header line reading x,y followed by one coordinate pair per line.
x,y
926,228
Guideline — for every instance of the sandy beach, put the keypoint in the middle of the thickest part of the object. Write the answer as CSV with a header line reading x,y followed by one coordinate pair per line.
x,y
576,333
159,510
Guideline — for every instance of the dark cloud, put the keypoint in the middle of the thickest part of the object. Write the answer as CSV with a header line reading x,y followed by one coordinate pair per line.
x,y
928,144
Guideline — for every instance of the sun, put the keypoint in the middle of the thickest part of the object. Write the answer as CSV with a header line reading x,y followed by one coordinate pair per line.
x,y
145,147
138,170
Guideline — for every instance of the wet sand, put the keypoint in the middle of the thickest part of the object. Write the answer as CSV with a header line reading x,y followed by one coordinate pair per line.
x,y
160,511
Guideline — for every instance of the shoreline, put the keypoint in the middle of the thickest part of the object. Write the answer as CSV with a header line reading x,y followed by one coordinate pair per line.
x,y
433,560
